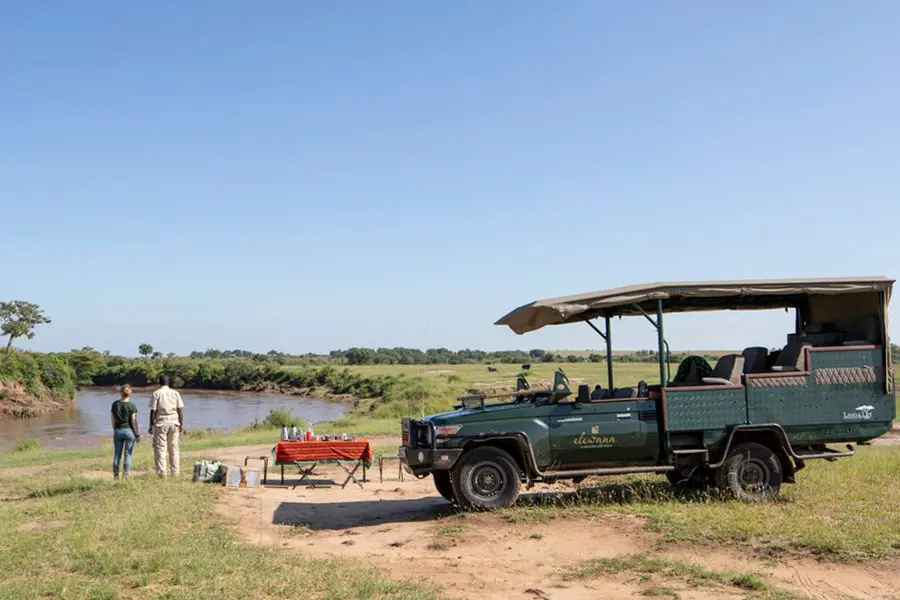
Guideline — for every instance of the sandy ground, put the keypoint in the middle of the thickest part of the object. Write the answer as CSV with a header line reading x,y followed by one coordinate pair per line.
x,y
405,528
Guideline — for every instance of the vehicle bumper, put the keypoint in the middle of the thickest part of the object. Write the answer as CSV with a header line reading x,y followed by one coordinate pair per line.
x,y
424,460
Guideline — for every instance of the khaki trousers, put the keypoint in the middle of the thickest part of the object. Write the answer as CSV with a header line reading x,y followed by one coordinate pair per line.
x,y
165,445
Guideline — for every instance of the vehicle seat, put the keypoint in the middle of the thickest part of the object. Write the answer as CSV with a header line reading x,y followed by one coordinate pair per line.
x,y
584,393
863,332
599,394
792,358
728,371
755,358
626,392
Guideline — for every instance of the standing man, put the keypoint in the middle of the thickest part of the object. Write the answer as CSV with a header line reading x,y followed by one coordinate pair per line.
x,y
166,422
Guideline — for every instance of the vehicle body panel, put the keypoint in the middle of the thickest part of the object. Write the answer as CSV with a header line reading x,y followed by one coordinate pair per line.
x,y
604,433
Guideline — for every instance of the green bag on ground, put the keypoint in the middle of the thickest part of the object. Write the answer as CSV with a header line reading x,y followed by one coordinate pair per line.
x,y
207,471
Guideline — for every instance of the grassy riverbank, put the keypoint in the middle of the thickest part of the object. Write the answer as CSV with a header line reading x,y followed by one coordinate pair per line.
x,y
379,391
194,441
32,384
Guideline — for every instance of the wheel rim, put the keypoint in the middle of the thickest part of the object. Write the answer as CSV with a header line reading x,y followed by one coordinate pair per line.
x,y
487,480
753,476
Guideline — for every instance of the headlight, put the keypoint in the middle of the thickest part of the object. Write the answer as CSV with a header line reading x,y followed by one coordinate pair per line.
x,y
447,430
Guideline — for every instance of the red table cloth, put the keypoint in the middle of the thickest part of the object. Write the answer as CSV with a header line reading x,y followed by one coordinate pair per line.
x,y
302,451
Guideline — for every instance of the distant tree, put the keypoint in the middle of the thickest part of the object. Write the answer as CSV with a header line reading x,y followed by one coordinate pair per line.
x,y
157,355
170,355
536,354
18,319
359,356
145,350
86,363
595,358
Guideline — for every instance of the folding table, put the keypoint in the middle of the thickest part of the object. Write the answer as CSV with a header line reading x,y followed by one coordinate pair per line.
x,y
306,455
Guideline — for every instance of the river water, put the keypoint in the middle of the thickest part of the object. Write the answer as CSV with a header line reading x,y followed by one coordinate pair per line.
x,y
87,423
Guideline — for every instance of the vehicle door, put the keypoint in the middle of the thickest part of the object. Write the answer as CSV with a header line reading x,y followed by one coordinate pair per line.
x,y
604,433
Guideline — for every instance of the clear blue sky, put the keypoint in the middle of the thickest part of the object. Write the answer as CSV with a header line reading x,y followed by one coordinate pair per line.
x,y
306,176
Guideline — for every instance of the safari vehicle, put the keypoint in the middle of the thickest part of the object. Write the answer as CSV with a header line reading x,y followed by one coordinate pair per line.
x,y
746,427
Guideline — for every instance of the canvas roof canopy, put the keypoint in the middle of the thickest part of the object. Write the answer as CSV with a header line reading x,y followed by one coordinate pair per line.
x,y
688,296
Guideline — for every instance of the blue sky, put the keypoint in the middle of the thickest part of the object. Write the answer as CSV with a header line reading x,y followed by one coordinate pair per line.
x,y
307,176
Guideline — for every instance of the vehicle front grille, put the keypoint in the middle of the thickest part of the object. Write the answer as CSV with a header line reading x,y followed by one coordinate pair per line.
x,y
415,434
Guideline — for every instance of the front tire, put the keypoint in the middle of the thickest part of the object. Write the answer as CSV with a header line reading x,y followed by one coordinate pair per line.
x,y
752,472
444,485
486,478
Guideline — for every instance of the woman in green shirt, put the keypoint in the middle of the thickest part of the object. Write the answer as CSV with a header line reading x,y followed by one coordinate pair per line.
x,y
125,430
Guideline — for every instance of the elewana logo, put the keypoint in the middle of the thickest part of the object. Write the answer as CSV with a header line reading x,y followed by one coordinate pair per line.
x,y
594,441
860,413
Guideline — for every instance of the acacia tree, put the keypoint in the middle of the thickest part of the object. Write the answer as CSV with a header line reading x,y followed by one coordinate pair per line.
x,y
145,350
18,319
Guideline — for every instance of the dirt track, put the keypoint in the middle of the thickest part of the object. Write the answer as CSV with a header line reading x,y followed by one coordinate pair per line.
x,y
408,530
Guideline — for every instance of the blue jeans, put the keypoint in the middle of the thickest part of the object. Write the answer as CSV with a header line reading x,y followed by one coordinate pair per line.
x,y
123,439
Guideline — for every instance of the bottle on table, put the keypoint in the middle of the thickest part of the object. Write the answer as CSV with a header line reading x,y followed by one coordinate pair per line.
x,y
293,432
284,433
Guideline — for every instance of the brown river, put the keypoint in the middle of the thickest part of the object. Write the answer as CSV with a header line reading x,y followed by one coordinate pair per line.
x,y
88,424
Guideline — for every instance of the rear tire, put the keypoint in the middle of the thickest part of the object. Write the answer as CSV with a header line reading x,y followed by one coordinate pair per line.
x,y
752,472
486,478
444,485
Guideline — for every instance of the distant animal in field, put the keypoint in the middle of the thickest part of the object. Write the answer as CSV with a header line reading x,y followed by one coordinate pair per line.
x,y
526,366
493,369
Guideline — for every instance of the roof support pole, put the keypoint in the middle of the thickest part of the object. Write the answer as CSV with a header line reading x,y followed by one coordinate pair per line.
x,y
608,338
663,344
663,359
600,333
609,365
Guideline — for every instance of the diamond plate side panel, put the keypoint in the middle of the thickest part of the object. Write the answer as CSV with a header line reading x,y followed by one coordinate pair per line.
x,y
696,410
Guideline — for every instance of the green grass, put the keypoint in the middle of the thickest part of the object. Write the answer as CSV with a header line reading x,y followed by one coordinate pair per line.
x,y
461,377
84,539
844,510
27,444
693,574
450,530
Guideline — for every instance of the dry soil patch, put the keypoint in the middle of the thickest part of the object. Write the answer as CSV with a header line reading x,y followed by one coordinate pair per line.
x,y
408,530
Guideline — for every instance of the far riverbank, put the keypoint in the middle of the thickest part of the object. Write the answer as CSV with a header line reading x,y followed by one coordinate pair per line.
x,y
85,423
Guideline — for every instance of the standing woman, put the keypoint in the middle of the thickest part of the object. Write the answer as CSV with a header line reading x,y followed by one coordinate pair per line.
x,y
125,430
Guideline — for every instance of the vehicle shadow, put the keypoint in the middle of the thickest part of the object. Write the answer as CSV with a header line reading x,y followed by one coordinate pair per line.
x,y
639,491
342,515
619,493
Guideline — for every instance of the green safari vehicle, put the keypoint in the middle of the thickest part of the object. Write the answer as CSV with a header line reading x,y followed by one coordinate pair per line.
x,y
747,425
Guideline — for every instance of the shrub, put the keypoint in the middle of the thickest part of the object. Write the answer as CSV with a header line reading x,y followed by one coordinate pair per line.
x,y
277,418
27,444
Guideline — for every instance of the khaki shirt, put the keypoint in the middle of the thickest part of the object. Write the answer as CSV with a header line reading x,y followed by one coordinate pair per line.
x,y
165,401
